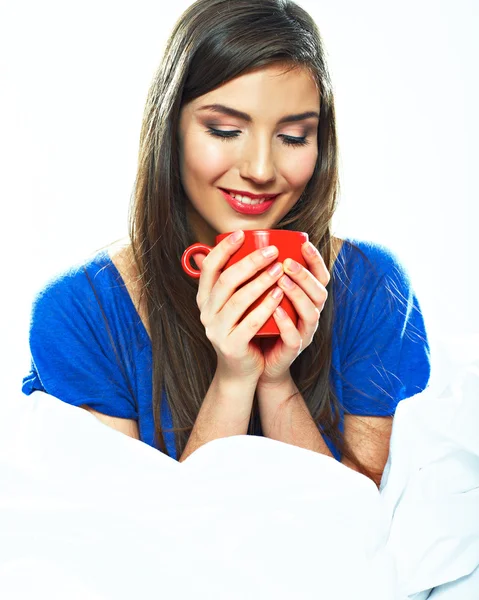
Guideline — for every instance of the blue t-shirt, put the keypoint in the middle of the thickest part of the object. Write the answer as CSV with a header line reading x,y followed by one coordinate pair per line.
x,y
380,351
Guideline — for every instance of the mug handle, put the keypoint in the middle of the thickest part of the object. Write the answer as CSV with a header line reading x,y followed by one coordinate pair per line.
x,y
185,259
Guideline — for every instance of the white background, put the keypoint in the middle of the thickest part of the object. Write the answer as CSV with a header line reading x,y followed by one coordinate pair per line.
x,y
73,82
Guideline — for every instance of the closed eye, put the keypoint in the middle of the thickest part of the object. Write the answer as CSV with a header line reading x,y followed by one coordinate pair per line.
x,y
287,139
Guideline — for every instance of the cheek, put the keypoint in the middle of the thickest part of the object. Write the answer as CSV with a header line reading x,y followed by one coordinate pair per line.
x,y
298,168
204,159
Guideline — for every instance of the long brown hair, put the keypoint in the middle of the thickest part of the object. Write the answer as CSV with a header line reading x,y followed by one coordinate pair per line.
x,y
213,42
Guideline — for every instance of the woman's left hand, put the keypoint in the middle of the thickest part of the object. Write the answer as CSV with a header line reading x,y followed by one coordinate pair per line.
x,y
307,293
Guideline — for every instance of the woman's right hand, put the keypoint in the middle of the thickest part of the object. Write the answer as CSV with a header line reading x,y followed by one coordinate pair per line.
x,y
222,306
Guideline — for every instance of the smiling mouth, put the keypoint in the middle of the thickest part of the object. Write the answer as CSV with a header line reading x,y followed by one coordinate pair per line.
x,y
257,207
245,199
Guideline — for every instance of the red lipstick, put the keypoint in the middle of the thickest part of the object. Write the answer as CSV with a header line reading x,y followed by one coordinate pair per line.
x,y
247,209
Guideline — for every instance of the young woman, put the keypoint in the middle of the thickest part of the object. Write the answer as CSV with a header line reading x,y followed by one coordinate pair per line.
x,y
242,101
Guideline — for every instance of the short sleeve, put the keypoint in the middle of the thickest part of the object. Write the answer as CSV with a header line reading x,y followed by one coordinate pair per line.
x,y
72,350
388,355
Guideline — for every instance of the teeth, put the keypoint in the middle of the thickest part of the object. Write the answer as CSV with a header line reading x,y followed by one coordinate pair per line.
x,y
246,200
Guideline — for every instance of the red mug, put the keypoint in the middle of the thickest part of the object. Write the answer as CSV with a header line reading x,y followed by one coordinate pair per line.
x,y
289,246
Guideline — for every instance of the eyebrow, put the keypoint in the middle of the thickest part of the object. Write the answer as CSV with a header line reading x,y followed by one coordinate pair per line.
x,y
232,112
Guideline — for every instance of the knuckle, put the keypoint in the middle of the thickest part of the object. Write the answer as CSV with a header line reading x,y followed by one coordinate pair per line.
x,y
235,301
227,352
224,278
254,324
261,283
210,336
224,351
258,287
298,345
256,259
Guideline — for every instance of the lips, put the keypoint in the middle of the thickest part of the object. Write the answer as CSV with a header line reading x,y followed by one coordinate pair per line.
x,y
246,209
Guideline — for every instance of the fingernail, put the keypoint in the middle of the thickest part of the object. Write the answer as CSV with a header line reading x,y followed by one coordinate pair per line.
x,y
286,281
236,236
292,265
277,293
310,249
275,269
269,251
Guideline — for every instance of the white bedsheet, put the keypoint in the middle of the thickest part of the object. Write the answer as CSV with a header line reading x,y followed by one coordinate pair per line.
x,y
89,513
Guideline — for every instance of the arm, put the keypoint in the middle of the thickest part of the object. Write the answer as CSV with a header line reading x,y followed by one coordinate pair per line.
x,y
126,426
289,422
385,359
222,414
225,411
292,423
369,439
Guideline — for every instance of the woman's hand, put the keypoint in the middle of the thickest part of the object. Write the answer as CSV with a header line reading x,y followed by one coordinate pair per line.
x,y
307,292
223,305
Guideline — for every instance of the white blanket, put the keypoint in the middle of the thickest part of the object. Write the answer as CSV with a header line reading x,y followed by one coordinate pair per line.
x,y
89,513
430,490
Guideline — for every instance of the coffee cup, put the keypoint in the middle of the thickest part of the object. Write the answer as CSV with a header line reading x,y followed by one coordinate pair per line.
x,y
289,245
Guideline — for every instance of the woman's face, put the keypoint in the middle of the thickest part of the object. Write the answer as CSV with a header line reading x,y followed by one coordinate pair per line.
x,y
259,159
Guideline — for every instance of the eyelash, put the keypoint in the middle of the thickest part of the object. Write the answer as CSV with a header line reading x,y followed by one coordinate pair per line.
x,y
229,135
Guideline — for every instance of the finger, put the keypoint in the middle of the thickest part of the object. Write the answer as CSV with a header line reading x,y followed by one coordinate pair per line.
x,y
212,265
238,273
306,281
316,263
292,341
243,298
251,324
308,313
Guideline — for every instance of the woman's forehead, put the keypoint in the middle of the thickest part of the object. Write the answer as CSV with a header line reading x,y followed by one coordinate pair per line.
x,y
268,89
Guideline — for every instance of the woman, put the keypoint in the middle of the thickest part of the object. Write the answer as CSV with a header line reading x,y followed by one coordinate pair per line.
x,y
242,100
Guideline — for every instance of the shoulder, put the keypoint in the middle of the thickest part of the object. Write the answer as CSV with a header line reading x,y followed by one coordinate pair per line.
x,y
371,284
370,254
74,287
93,282
381,334
361,261
83,337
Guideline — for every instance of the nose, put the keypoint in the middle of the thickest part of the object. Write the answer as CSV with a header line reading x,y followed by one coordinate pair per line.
x,y
258,162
